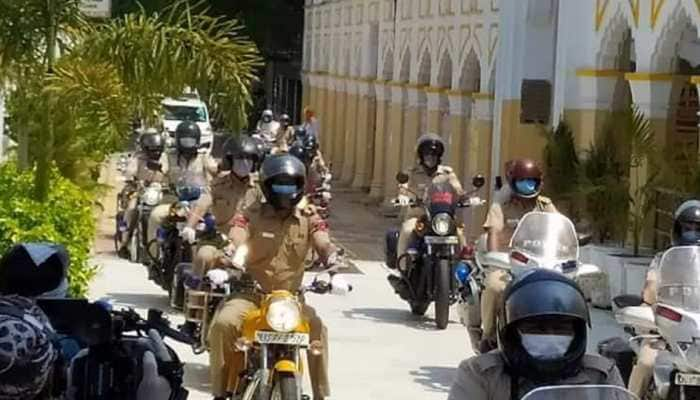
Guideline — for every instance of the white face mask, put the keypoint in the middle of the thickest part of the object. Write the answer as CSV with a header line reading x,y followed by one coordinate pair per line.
x,y
546,347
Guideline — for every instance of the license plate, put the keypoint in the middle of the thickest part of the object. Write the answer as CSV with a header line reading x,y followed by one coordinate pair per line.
x,y
441,240
292,339
687,379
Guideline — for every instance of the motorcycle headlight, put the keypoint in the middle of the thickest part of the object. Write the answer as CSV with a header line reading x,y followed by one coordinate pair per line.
x,y
283,315
442,224
151,196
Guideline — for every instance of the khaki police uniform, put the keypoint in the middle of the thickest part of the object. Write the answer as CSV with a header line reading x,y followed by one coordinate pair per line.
x,y
644,367
503,218
277,247
195,172
228,196
485,377
138,171
418,182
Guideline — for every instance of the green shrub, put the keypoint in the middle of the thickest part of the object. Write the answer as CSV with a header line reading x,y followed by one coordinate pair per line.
x,y
65,218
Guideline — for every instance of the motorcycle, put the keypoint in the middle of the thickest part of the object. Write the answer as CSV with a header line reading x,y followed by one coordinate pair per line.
x,y
580,392
173,250
671,326
541,240
101,351
427,270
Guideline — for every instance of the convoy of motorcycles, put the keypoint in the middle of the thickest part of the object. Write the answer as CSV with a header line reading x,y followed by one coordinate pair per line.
x,y
437,268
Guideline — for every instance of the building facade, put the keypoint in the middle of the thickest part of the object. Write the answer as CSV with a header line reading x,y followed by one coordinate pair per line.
x,y
487,75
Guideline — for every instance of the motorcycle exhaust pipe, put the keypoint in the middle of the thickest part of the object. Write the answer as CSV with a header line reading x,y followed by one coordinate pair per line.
x,y
401,287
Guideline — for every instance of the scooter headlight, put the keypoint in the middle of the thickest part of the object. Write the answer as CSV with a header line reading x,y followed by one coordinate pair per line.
x,y
283,315
442,224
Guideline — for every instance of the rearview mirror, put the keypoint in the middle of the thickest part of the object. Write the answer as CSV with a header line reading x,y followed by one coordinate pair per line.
x,y
402,177
478,181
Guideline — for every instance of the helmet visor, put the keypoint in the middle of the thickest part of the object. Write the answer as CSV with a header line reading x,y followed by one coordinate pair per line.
x,y
284,189
242,166
187,142
430,160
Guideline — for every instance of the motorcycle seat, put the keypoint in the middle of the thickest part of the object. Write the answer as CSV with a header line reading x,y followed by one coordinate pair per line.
x,y
628,300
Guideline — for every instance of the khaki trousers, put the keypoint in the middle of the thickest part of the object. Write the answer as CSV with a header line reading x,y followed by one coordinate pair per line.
x,y
491,299
643,370
226,363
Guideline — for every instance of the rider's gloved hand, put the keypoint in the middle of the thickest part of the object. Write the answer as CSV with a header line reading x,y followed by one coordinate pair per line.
x,y
188,234
403,200
339,286
218,276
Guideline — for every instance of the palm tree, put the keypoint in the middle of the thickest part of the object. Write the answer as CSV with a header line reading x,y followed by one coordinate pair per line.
x,y
108,72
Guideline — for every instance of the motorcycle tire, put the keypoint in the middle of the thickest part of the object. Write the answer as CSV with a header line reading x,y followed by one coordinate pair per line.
x,y
442,294
285,388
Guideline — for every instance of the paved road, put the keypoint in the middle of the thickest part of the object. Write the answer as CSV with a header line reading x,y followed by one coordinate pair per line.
x,y
378,349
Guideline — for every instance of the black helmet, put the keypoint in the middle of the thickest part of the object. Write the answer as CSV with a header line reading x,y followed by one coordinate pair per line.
x,y
187,137
152,144
282,179
542,331
242,153
285,120
430,144
299,150
686,224
311,144
300,133
27,353
34,269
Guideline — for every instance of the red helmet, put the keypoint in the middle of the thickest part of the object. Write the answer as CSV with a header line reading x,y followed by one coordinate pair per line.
x,y
524,177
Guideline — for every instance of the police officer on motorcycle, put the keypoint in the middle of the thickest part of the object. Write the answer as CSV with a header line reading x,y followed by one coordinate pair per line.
x,y
138,171
278,235
541,342
429,151
686,232
524,179
186,167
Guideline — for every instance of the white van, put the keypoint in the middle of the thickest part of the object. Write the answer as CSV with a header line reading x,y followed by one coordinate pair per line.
x,y
188,108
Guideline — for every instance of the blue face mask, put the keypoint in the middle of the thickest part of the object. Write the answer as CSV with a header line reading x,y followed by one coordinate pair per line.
x,y
284,189
526,187
690,237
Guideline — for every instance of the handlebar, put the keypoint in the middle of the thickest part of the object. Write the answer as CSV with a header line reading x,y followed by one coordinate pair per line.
x,y
129,320
461,204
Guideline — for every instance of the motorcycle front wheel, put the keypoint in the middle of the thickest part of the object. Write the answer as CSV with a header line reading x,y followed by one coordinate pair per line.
x,y
285,388
442,293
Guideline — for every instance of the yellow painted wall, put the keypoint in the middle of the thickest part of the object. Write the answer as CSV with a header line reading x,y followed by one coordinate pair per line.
x,y
350,139
364,148
380,156
519,140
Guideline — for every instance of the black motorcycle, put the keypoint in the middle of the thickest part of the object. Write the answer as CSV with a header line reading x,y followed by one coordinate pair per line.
x,y
101,350
427,270
173,250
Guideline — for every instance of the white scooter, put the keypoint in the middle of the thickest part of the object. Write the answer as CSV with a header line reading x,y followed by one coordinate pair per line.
x,y
676,318
541,240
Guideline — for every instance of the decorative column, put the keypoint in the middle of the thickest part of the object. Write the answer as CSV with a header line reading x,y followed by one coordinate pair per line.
x,y
392,144
313,97
364,148
433,102
651,93
479,159
339,127
416,110
460,147
328,120
321,103
383,94
350,130
595,103
305,92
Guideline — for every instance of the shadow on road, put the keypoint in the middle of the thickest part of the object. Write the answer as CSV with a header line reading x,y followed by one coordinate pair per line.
x,y
141,300
435,379
392,316
197,377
